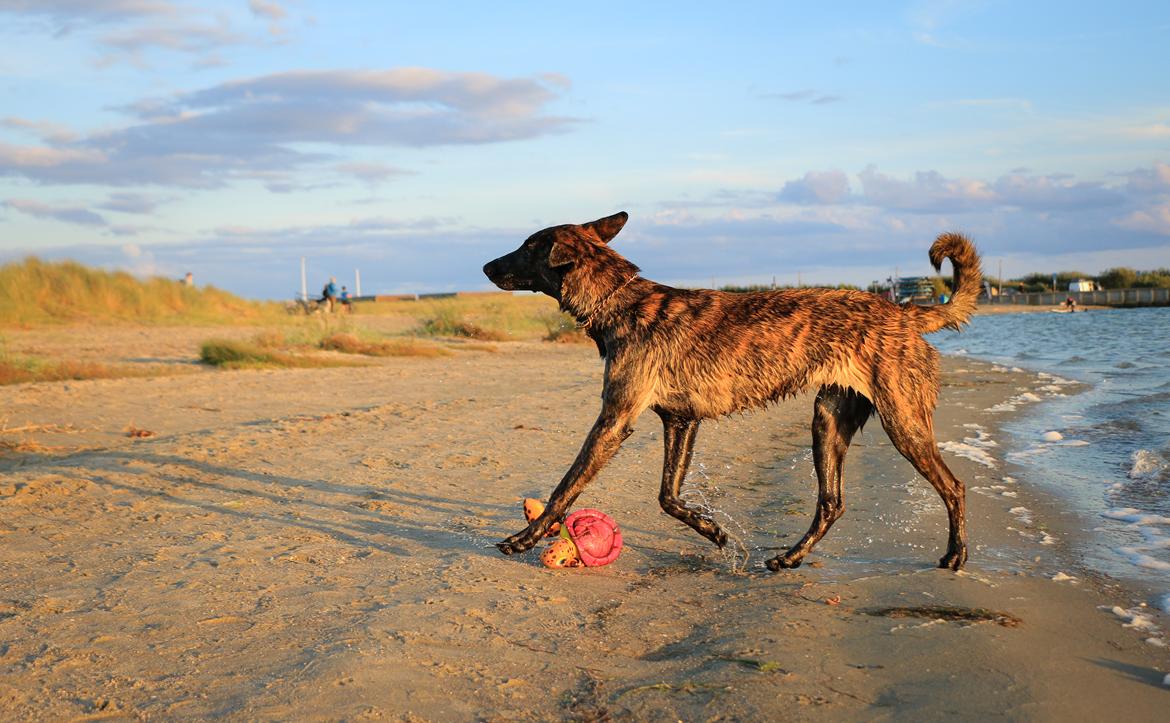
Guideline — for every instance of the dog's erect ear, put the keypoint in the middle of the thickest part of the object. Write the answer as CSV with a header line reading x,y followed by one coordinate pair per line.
x,y
608,227
561,254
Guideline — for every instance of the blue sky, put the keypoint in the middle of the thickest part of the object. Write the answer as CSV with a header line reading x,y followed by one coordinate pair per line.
x,y
416,141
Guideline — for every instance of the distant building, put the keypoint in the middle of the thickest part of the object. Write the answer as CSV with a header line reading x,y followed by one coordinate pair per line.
x,y
1082,285
915,288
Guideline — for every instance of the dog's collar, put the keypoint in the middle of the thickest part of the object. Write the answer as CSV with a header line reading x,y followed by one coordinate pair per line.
x,y
601,304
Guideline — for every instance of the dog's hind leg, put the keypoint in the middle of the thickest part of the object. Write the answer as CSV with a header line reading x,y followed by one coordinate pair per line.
x,y
678,445
913,436
837,415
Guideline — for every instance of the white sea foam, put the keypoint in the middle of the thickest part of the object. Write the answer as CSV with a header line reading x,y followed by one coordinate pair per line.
x,y
968,451
1138,556
1027,455
1053,379
1063,577
1146,465
1052,436
1023,514
1154,538
1133,618
973,448
1135,516
1013,402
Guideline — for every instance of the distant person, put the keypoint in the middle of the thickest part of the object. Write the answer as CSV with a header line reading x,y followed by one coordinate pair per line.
x,y
189,279
345,300
1070,303
329,294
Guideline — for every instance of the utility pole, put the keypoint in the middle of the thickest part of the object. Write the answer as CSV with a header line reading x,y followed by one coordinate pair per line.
x,y
357,282
304,282
1000,277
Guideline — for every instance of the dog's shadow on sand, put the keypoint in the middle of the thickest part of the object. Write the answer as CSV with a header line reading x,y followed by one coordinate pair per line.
x,y
1141,674
345,513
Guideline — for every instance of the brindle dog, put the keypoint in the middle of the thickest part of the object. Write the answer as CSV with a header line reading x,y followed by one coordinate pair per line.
x,y
692,355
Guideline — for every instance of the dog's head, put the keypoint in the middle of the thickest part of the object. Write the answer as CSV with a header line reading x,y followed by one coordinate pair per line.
x,y
541,262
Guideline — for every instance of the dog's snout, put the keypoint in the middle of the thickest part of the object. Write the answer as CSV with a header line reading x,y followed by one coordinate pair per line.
x,y
489,268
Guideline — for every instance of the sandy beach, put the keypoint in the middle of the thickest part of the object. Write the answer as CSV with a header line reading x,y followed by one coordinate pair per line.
x,y
317,544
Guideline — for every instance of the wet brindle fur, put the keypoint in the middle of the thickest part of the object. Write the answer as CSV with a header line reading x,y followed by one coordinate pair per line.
x,y
692,355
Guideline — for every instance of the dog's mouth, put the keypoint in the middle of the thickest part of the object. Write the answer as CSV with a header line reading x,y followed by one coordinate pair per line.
x,y
501,278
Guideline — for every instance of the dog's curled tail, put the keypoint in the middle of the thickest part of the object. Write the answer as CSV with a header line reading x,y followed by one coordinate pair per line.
x,y
967,285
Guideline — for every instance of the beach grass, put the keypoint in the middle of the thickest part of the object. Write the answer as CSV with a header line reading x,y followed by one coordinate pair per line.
x,y
449,321
486,317
22,369
349,343
560,328
233,354
35,292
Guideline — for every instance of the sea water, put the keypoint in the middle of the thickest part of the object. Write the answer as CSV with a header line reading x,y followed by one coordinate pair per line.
x,y
1105,449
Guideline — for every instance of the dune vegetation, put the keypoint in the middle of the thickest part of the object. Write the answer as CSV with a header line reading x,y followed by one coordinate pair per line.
x,y
485,317
35,292
234,354
19,370
349,343
23,368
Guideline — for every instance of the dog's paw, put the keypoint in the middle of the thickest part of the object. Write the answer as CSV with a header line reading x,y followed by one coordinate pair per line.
x,y
783,562
953,560
515,544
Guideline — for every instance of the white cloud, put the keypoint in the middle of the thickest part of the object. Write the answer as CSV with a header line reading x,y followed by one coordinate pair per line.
x,y
127,30
42,157
67,214
927,191
274,12
257,128
1147,132
135,203
807,95
45,130
1154,219
817,187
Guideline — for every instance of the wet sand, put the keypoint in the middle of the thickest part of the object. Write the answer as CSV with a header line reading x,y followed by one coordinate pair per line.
x,y
317,544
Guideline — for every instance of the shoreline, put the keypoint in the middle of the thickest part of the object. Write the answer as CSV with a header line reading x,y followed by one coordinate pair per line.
x,y
1036,308
1065,440
318,543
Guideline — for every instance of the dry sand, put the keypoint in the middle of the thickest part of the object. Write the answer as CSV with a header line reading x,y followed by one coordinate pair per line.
x,y
317,544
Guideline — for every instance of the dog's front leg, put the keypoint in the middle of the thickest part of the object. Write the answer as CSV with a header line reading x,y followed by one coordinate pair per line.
x,y
608,433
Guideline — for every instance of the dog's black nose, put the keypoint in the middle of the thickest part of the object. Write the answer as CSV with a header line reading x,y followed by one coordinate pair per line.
x,y
488,268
